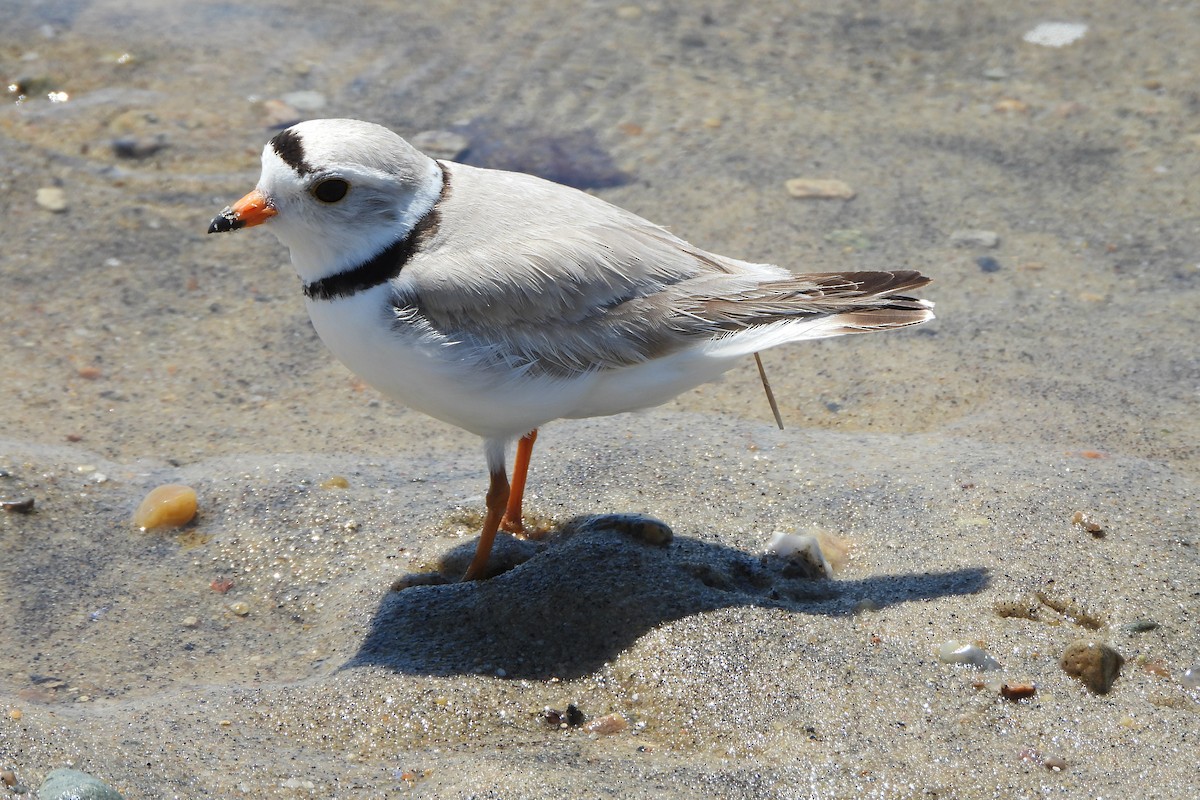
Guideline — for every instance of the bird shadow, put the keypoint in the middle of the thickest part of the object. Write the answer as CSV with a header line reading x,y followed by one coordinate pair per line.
x,y
588,593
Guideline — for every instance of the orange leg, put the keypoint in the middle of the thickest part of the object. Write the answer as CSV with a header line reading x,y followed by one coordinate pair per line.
x,y
512,515
497,497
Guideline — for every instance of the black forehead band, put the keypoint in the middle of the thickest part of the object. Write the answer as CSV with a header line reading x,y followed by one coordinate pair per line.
x,y
288,146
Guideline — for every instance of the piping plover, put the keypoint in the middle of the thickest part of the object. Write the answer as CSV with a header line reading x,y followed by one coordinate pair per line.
x,y
498,301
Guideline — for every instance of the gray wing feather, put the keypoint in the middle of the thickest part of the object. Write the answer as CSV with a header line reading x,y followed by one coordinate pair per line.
x,y
537,277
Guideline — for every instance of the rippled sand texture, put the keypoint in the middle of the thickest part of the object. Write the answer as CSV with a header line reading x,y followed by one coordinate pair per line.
x,y
259,652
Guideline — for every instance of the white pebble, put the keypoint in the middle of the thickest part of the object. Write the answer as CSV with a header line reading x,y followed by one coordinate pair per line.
x,y
1191,677
298,783
956,652
51,198
802,548
1056,34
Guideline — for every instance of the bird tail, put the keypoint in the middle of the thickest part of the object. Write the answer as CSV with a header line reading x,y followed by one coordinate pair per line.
x,y
821,305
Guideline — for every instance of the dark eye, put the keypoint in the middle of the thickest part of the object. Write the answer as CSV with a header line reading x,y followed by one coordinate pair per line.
x,y
330,190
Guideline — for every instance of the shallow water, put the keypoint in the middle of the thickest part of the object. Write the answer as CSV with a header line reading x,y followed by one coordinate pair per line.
x,y
1061,376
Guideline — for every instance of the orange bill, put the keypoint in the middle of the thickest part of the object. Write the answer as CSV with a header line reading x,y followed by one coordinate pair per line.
x,y
253,209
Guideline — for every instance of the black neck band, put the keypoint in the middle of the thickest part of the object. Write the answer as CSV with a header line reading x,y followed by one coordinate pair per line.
x,y
383,266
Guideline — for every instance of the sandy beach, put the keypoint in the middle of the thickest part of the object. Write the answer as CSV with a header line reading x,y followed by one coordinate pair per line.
x,y
1021,475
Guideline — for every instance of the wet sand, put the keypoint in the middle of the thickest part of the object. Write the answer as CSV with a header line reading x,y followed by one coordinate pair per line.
x,y
1060,377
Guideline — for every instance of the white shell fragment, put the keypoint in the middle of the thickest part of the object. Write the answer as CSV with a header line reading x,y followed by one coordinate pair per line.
x,y
800,547
956,652
819,188
1056,34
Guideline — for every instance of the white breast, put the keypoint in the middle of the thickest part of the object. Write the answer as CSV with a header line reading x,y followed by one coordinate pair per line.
x,y
433,379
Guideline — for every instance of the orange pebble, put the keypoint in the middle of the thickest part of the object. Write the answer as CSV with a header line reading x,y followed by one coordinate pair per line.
x,y
168,506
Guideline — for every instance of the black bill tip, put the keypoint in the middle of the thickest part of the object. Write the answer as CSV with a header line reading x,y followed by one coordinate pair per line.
x,y
227,220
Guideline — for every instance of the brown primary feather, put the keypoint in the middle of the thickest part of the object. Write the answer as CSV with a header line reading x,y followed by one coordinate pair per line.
x,y
864,299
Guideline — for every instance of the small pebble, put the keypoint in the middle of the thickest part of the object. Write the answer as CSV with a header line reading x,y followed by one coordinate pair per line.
x,y
24,506
819,188
988,264
1087,523
168,506
298,783
956,652
803,549
1094,663
1055,763
1191,677
336,482
1055,34
241,608
571,718
8,777
446,145
608,724
52,198
1140,626
1017,691
974,238
137,147
190,622
71,784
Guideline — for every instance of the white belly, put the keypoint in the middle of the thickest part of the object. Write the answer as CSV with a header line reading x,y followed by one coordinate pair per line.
x,y
359,331
486,400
